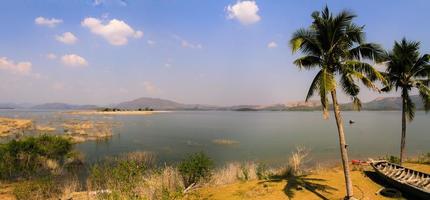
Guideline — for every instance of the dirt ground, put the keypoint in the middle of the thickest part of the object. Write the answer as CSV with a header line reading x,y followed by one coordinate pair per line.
x,y
324,184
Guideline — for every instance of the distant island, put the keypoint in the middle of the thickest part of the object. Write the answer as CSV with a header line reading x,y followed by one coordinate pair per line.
x,y
157,104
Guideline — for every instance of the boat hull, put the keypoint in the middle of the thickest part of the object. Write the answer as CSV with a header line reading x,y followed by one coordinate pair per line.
x,y
405,188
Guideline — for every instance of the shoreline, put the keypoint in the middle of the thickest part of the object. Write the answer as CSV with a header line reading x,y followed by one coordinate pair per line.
x,y
92,112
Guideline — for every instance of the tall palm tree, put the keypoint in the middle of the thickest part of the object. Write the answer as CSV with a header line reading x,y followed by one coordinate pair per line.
x,y
407,70
335,46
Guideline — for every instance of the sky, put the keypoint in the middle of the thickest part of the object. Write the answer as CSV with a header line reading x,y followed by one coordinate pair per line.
x,y
218,52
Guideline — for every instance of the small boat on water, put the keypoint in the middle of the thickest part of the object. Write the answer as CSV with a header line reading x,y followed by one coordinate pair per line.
x,y
351,122
404,179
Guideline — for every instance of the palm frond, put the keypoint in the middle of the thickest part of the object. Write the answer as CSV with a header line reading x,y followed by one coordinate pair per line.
x,y
368,70
304,40
308,62
369,51
424,92
348,85
327,84
314,85
356,103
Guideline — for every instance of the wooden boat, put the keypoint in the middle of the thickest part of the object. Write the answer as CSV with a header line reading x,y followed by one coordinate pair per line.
x,y
408,181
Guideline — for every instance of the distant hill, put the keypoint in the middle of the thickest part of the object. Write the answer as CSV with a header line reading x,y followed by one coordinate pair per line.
x,y
63,106
387,103
14,105
161,104
381,103
154,103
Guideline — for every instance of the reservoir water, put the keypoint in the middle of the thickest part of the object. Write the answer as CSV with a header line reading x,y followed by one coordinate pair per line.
x,y
259,136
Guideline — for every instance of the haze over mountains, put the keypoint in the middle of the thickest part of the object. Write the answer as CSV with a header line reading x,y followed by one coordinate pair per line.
x,y
382,103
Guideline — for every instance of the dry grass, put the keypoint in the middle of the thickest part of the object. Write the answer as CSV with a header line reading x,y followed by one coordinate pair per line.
x,y
81,131
142,157
42,128
297,160
46,188
224,142
10,126
166,184
233,172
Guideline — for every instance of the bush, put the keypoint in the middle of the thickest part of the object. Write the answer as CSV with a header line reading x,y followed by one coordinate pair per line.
x,y
195,167
392,159
22,158
120,175
49,187
262,171
44,188
424,158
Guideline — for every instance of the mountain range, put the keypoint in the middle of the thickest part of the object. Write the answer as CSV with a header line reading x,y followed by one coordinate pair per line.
x,y
382,103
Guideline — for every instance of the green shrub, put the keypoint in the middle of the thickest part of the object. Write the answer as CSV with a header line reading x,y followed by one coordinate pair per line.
x,y
195,167
22,158
424,158
43,188
121,177
244,173
262,171
392,159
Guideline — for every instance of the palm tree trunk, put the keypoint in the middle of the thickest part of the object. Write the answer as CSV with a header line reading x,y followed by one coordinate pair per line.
x,y
343,146
403,139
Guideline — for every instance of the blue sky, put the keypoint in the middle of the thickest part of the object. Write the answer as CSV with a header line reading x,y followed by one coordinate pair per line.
x,y
219,52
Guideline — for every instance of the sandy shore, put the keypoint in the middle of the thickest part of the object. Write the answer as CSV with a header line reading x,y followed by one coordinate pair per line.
x,y
93,112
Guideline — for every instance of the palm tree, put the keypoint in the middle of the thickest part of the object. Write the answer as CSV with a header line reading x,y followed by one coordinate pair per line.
x,y
335,46
407,70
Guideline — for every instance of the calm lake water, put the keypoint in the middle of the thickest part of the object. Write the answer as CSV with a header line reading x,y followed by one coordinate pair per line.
x,y
261,136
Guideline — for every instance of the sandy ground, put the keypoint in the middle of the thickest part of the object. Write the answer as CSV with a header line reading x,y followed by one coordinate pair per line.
x,y
116,112
325,184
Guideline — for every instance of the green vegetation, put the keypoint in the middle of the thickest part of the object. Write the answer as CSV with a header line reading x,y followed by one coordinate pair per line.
x,y
195,167
262,171
424,159
392,159
335,46
407,70
47,187
33,155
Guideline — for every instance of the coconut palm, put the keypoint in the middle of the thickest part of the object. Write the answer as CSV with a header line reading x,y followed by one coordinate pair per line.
x,y
335,46
408,70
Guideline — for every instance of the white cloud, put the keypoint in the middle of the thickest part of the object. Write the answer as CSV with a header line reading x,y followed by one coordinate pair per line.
x,y
47,22
116,32
15,68
97,2
272,45
74,60
167,65
150,88
246,12
67,38
150,42
51,56
187,44
100,2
